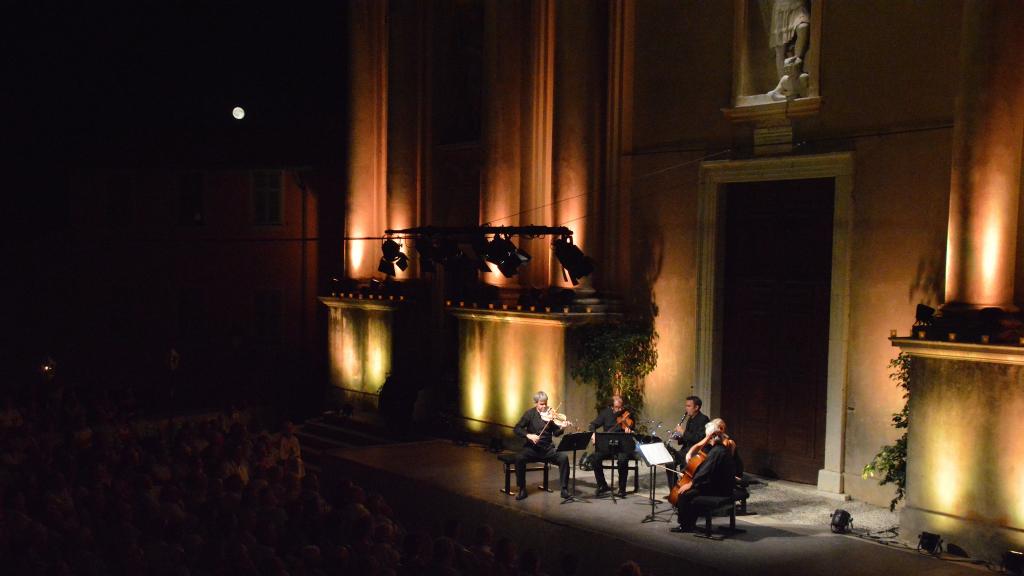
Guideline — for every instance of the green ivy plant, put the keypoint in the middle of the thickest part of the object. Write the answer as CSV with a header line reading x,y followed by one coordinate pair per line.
x,y
616,356
891,462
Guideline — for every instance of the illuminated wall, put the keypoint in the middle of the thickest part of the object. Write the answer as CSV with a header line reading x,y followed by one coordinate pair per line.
x,y
965,456
503,360
359,344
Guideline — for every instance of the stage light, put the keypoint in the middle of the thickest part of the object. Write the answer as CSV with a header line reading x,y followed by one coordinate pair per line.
x,y
238,112
842,522
1013,562
573,261
428,254
503,252
924,314
392,256
930,543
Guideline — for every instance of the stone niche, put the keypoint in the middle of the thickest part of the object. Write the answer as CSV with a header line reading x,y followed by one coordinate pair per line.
x,y
965,452
759,92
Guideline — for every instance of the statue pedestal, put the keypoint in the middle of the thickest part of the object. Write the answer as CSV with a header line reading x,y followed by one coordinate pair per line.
x,y
965,449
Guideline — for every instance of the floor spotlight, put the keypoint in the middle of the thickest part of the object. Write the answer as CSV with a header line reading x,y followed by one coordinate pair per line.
x,y
1013,562
842,522
574,262
930,543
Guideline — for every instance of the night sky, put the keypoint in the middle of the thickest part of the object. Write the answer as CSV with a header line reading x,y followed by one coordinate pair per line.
x,y
133,82
151,85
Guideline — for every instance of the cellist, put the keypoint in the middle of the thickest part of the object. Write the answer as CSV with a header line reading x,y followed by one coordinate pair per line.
x,y
716,476
614,418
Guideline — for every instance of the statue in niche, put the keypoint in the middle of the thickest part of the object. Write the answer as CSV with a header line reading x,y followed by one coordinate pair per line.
x,y
789,37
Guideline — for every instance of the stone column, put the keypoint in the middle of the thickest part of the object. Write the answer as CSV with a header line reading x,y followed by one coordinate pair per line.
x,y
987,141
365,213
408,130
505,22
580,55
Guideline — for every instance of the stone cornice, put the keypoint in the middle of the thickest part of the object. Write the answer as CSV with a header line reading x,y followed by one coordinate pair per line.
x,y
993,353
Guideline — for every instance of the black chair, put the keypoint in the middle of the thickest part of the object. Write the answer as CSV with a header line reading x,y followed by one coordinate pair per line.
x,y
509,463
709,506
633,466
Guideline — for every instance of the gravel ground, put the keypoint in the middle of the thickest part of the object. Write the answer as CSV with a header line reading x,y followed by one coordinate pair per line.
x,y
791,503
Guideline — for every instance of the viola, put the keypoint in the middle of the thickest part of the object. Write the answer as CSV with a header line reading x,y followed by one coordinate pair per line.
x,y
625,420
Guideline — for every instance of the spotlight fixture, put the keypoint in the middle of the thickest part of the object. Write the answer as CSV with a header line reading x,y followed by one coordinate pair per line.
x,y
930,543
574,262
1013,562
392,256
428,254
924,314
503,252
842,522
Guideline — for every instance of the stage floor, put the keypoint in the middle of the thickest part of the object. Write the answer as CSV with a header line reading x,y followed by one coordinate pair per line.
x,y
427,482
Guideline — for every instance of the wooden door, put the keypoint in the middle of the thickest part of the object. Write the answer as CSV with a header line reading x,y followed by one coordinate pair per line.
x,y
778,261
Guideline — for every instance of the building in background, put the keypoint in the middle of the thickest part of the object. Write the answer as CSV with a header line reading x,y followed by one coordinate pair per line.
x,y
773,179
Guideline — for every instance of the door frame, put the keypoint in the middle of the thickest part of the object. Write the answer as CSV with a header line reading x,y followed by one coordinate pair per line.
x,y
714,178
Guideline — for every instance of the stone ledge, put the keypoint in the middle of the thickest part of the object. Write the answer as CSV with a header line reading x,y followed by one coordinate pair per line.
x,y
994,353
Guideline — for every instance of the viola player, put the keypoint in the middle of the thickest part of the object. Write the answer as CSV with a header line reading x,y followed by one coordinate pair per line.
x,y
614,418
537,429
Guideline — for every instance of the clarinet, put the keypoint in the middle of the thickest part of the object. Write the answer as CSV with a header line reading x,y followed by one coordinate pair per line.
x,y
682,422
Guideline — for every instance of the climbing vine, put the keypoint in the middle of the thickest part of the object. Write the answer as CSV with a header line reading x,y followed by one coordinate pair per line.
x,y
891,461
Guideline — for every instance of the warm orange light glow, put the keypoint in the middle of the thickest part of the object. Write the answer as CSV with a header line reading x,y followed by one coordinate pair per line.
x,y
991,259
504,360
359,340
1011,461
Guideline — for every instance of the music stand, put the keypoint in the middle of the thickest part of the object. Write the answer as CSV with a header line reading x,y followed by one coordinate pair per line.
x,y
613,444
654,454
574,442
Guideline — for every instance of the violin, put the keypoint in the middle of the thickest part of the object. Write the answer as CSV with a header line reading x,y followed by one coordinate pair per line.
x,y
625,420
560,420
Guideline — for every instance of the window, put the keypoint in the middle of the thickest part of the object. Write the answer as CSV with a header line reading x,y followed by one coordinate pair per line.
x,y
190,199
268,316
266,197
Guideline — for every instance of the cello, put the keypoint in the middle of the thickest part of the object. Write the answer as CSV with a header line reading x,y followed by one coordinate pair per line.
x,y
698,458
686,476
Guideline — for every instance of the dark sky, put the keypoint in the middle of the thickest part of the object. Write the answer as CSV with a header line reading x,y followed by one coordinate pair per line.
x,y
117,82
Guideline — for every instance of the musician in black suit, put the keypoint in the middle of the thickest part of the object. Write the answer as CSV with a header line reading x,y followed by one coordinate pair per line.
x,y
687,433
610,420
537,429
716,476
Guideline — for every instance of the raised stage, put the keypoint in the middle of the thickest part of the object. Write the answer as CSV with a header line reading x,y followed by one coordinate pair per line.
x,y
429,481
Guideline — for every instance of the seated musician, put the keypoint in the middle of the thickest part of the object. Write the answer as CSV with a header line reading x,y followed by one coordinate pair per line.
x,y
612,419
537,429
716,476
687,433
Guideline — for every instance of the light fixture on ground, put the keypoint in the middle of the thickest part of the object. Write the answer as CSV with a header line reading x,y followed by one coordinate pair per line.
x,y
574,262
842,522
392,256
930,543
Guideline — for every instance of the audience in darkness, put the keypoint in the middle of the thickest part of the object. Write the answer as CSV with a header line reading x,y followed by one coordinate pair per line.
x,y
88,485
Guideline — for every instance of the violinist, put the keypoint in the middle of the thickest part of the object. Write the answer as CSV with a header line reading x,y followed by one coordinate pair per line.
x,y
716,476
687,433
537,427
614,418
